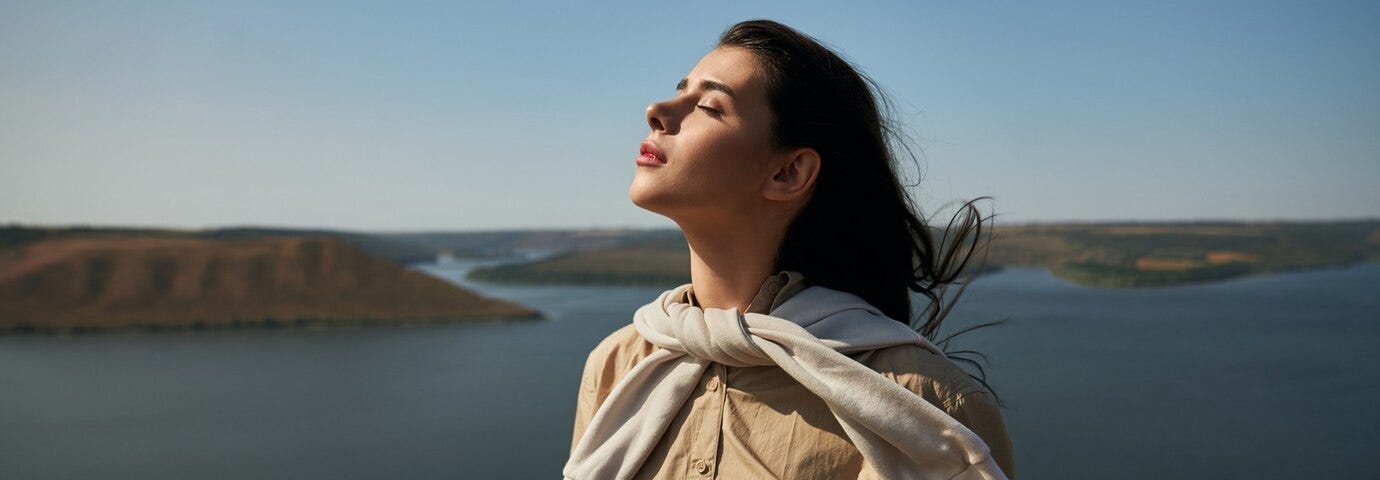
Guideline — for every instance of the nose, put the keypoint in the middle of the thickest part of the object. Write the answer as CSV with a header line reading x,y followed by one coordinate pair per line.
x,y
661,118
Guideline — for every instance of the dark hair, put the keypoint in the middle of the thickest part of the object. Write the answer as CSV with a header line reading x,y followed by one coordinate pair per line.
x,y
859,231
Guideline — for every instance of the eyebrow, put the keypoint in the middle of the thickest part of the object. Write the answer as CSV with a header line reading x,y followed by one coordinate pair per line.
x,y
706,85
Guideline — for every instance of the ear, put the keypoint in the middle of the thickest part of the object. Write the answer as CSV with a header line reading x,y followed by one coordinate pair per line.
x,y
794,175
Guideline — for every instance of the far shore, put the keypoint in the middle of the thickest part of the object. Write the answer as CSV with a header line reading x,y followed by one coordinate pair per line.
x,y
1113,255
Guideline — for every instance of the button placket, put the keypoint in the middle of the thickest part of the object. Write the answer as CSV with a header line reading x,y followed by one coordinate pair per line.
x,y
706,448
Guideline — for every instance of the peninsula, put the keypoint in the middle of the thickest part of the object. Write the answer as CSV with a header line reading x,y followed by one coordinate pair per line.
x,y
139,280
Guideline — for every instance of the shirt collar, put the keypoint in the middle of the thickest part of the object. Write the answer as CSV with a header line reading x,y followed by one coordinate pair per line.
x,y
774,291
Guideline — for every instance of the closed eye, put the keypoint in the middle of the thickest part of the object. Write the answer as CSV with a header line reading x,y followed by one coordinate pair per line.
x,y
712,112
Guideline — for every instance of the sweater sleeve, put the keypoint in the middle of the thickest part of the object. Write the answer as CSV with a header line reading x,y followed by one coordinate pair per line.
x,y
978,411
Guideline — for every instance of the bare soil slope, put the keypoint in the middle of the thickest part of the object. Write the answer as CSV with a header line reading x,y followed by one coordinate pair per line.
x,y
104,282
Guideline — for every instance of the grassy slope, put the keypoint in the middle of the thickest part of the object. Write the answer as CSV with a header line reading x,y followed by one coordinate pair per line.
x,y
660,260
1145,254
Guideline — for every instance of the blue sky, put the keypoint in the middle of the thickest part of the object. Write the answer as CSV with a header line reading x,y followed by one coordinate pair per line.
x,y
443,116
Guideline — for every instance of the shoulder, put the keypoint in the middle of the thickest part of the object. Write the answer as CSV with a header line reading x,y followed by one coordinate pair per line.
x,y
928,374
623,344
941,382
615,355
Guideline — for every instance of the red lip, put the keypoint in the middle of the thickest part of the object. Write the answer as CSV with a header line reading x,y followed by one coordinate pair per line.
x,y
649,155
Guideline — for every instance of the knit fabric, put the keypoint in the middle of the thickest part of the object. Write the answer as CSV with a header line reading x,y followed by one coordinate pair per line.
x,y
899,433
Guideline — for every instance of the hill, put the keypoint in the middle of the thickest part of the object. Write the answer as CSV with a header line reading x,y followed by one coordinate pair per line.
x,y
517,243
397,249
1162,254
131,279
660,258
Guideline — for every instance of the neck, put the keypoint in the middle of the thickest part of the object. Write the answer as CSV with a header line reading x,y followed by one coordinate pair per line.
x,y
728,263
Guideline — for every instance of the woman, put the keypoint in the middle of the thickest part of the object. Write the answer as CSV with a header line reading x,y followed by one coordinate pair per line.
x,y
790,353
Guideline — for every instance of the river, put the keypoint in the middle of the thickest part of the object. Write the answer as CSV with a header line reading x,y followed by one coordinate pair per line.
x,y
1262,377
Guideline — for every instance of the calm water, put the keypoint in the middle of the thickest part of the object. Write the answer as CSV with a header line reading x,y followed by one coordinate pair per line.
x,y
1269,377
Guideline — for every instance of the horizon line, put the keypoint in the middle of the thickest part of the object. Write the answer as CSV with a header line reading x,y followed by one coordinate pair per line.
x,y
611,228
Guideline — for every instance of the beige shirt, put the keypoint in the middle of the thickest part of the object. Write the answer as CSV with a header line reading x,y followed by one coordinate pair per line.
x,y
760,423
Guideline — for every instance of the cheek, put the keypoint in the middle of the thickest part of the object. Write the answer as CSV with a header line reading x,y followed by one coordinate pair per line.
x,y
727,155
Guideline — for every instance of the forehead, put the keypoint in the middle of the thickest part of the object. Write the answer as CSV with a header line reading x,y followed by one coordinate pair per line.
x,y
732,66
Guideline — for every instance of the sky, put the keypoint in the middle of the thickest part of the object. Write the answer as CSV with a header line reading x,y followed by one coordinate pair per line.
x,y
401,116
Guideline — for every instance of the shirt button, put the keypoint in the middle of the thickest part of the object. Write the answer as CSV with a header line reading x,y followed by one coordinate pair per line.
x,y
701,467
713,384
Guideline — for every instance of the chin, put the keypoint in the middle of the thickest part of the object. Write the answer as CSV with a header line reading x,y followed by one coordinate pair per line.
x,y
651,196
642,195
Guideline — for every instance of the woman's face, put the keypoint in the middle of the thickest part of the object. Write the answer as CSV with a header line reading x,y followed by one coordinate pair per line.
x,y
714,137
